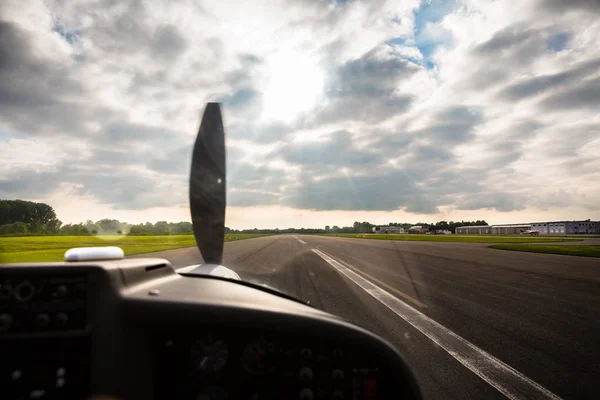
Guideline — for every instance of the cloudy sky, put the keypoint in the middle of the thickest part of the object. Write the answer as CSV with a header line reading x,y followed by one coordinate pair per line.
x,y
334,111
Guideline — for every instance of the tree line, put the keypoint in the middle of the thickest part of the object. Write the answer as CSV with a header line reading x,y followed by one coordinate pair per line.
x,y
23,217
19,217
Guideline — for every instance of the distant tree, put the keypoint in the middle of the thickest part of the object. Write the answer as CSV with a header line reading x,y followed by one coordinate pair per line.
x,y
108,226
16,228
74,229
161,228
40,217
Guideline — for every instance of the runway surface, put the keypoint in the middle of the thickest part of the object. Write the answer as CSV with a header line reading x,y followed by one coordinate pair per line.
x,y
473,322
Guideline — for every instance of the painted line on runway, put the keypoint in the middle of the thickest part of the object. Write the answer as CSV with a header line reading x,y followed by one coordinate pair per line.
x,y
504,378
298,239
393,289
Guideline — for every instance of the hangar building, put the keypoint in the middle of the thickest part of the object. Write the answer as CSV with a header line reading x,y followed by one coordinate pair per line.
x,y
566,227
544,228
506,229
388,229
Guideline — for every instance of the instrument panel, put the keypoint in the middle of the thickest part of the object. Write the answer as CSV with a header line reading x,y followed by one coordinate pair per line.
x,y
137,329
42,303
251,364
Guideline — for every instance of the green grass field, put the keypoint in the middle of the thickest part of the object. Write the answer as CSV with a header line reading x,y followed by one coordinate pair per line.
x,y
52,248
569,250
458,238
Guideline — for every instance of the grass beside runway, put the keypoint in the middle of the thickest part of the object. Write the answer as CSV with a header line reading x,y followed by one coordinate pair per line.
x,y
456,238
570,250
52,248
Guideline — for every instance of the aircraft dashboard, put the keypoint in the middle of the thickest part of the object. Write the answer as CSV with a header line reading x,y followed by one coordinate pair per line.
x,y
135,328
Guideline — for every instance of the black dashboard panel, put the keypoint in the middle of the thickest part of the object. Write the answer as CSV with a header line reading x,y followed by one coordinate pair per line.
x,y
43,302
137,329
253,364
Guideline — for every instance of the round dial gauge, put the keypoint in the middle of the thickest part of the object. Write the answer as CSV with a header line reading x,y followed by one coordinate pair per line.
x,y
209,354
260,356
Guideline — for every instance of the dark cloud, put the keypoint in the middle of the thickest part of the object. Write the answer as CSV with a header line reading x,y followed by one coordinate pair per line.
x,y
585,96
27,184
374,74
269,132
540,84
124,132
365,109
517,45
246,175
503,153
447,180
506,39
451,126
487,76
130,190
119,27
38,95
337,150
387,189
25,79
500,201
176,162
526,129
365,89
250,198
429,154
567,5
126,28
534,86
121,188
167,43
395,142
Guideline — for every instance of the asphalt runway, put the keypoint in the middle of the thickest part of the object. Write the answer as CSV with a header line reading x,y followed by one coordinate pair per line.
x,y
522,319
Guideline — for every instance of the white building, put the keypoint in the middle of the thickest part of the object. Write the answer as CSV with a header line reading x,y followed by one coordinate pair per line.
x,y
474,230
388,229
510,229
566,227
544,228
507,229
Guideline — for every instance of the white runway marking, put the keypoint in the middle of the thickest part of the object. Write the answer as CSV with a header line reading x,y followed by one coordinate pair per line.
x,y
508,381
300,240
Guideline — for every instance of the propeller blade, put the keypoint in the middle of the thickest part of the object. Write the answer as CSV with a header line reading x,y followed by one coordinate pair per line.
x,y
207,186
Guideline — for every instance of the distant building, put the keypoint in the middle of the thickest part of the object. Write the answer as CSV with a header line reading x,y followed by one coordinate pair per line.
x,y
443,232
474,230
417,229
541,228
388,229
510,229
566,227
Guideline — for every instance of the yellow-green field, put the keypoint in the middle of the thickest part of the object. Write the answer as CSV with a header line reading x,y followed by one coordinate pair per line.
x,y
568,250
52,248
457,238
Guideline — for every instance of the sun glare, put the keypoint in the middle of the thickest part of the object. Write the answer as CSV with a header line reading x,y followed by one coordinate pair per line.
x,y
295,84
